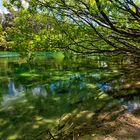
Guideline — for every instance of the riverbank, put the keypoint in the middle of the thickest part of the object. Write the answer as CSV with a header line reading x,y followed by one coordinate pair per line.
x,y
115,123
108,125
125,127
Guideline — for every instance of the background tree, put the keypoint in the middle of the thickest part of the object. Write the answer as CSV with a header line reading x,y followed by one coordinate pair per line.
x,y
110,25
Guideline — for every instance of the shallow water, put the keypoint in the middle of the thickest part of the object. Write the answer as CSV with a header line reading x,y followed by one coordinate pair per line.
x,y
69,76
50,87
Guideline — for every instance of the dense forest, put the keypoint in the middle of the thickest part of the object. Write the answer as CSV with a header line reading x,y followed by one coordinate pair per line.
x,y
82,26
69,70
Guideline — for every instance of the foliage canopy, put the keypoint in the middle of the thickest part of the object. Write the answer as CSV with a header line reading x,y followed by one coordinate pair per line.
x,y
84,26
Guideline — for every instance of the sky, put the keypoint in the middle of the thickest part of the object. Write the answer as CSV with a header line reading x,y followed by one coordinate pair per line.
x,y
2,9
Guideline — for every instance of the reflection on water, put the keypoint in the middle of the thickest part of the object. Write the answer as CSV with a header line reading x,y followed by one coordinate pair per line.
x,y
15,91
11,88
34,96
132,104
104,87
77,77
14,95
39,91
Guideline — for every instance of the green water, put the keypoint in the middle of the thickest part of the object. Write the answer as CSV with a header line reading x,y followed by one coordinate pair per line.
x,y
33,96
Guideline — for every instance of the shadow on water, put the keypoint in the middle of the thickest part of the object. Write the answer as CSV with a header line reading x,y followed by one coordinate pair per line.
x,y
35,96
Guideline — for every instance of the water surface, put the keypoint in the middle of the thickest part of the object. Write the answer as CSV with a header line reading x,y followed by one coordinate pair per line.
x,y
36,94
